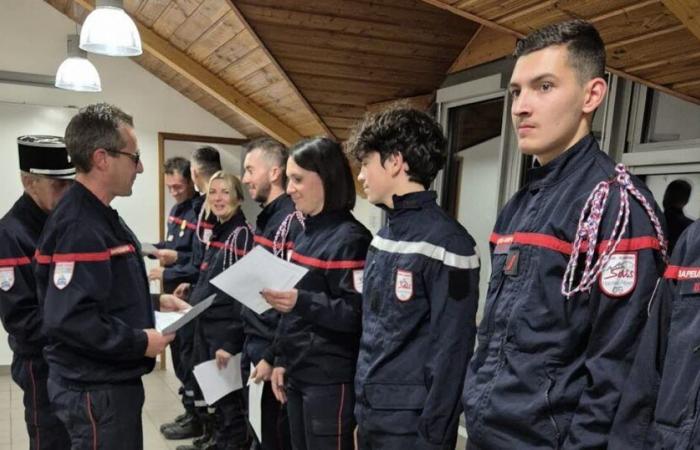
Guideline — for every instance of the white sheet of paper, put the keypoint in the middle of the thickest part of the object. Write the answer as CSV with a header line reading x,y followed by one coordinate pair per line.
x,y
255,392
256,271
188,315
165,319
148,249
215,383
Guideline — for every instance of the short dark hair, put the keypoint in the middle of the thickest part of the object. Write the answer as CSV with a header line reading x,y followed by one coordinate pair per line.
x,y
208,160
95,126
582,40
274,151
677,194
414,134
326,158
178,165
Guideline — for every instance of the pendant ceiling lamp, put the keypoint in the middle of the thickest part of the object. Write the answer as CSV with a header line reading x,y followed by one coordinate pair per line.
x,y
108,30
76,73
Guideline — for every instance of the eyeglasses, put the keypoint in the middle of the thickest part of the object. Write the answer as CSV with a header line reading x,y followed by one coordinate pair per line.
x,y
135,157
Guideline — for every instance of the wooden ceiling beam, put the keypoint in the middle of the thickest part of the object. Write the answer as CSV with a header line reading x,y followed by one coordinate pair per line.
x,y
688,12
209,83
625,10
688,9
284,74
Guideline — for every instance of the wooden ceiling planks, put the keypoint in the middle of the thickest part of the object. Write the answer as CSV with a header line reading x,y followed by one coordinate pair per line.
x,y
345,54
636,34
217,50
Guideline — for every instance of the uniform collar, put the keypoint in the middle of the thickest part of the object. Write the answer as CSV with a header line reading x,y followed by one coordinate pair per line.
x,y
185,205
413,200
324,218
31,213
222,229
563,165
281,202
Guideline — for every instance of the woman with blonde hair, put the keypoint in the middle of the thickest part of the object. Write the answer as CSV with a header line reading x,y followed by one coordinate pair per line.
x,y
219,330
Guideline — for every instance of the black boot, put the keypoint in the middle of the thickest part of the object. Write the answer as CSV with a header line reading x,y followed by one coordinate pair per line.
x,y
176,421
190,427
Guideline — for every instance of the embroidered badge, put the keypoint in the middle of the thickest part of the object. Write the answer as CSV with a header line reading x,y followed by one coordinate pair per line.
x,y
404,285
206,236
619,276
63,273
510,267
290,252
7,278
358,277
696,288
170,237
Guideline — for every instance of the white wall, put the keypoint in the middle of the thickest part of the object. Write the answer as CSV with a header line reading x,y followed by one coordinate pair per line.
x,y
33,39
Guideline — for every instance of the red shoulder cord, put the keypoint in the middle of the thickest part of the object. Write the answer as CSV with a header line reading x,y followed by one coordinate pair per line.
x,y
278,245
589,226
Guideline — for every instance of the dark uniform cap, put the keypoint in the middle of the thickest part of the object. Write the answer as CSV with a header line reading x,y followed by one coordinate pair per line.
x,y
45,155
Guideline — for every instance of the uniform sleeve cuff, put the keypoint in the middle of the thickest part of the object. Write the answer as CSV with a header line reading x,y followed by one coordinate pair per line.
x,y
140,343
303,302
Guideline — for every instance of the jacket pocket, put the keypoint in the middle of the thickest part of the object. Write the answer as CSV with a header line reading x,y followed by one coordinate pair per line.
x,y
394,408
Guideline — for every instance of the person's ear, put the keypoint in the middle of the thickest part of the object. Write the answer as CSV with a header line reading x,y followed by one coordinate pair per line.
x,y
594,94
275,174
100,159
394,164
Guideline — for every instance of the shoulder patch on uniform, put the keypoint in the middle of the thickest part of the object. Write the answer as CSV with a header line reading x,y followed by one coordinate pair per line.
x,y
358,277
7,278
206,235
404,285
619,276
63,274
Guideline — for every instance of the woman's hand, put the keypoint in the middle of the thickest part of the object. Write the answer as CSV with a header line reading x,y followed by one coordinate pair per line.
x,y
170,303
282,301
261,372
277,380
222,358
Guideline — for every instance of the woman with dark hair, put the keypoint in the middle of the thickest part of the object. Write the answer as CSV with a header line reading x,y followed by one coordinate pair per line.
x,y
219,330
318,336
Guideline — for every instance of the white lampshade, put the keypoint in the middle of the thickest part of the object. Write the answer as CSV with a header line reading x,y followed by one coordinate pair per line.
x,y
108,30
76,73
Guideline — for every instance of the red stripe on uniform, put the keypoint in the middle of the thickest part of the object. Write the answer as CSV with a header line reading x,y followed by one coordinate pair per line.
x,y
321,264
270,244
238,251
92,422
86,256
682,273
21,261
561,246
178,221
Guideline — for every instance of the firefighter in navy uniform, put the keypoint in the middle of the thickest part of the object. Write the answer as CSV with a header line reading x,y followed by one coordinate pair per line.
x,y
575,256
275,230
318,335
420,294
204,163
180,234
46,174
659,409
97,311
219,330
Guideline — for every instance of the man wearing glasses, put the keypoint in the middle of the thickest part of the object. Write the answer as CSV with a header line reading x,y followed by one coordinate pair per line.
x,y
97,310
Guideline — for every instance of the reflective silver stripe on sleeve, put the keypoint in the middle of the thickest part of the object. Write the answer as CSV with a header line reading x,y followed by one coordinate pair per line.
x,y
427,249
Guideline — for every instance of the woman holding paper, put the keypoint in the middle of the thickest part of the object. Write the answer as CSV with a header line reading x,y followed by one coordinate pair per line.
x,y
318,335
219,329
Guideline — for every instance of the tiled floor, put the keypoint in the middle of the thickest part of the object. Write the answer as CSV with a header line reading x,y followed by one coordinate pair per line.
x,y
162,404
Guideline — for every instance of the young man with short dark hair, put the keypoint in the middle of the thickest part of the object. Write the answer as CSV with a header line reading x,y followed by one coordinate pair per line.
x,y
570,278
419,294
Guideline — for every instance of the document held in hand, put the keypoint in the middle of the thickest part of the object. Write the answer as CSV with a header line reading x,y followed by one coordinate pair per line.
x,y
170,322
216,383
255,392
256,271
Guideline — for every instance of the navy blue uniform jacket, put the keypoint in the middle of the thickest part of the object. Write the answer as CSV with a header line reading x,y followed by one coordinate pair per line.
x,y
19,307
180,236
420,295
318,340
659,407
260,328
93,283
548,372
221,323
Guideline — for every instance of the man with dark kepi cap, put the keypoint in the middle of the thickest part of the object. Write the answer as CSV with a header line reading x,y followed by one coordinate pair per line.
x,y
46,173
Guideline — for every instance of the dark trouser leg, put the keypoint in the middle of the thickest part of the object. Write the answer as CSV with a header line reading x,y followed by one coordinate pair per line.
x,y
326,416
103,419
275,423
46,431
231,431
295,411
